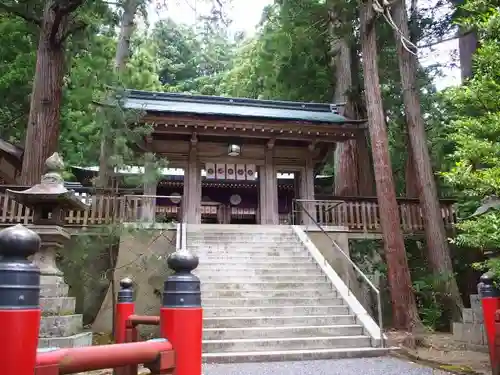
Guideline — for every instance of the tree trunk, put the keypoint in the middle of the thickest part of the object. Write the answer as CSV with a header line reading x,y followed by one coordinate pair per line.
x,y
121,58
405,314
411,183
345,157
439,253
353,166
467,46
42,134
126,30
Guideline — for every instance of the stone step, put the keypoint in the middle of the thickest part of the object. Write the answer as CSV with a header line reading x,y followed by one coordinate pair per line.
x,y
246,232
267,293
57,305
274,301
60,326
241,237
274,310
264,250
296,343
294,355
248,255
284,278
53,290
249,285
277,332
235,243
243,259
223,256
277,321
250,235
234,264
306,269
75,341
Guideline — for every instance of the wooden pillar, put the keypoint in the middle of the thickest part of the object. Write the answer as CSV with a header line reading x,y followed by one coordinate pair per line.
x,y
307,188
150,183
262,195
192,186
268,189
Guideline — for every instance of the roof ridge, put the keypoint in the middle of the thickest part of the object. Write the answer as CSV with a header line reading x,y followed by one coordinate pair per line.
x,y
263,103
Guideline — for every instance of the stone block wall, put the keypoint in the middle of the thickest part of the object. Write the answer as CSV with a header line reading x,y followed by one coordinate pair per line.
x,y
142,256
471,330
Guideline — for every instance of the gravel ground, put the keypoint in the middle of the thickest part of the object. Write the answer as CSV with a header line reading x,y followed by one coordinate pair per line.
x,y
360,366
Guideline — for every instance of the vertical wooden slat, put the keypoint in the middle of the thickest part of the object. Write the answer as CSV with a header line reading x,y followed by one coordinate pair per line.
x,y
364,217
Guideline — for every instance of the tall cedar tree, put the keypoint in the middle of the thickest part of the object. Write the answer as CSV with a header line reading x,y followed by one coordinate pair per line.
x,y
405,314
438,250
56,25
353,167
127,27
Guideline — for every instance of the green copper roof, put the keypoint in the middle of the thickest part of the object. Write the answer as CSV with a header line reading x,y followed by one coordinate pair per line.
x,y
233,107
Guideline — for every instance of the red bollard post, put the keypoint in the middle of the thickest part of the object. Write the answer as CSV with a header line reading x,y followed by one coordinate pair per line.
x,y
125,307
490,300
181,315
19,301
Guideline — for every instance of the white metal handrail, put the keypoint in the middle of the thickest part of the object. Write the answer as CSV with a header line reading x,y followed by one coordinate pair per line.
x,y
356,268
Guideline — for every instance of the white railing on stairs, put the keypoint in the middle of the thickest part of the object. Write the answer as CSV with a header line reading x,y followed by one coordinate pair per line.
x,y
359,309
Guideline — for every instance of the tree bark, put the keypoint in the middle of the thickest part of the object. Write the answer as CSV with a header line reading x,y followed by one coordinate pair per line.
x,y
411,182
405,313
467,46
439,253
121,57
126,30
467,43
345,157
42,133
352,167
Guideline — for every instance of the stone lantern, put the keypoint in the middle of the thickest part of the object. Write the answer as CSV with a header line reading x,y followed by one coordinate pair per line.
x,y
50,201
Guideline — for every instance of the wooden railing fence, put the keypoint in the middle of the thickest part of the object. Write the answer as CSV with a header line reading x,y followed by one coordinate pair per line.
x,y
362,214
357,213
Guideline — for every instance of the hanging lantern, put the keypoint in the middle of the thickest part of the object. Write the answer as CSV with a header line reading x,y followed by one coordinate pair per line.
x,y
234,150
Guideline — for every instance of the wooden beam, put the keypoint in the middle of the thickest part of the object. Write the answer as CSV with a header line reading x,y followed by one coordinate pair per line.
x,y
282,135
244,121
254,126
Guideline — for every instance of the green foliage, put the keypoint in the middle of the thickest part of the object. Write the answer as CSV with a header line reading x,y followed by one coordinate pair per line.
x,y
474,128
368,255
289,58
17,66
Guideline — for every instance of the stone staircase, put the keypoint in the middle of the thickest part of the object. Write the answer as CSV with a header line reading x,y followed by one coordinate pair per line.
x,y
265,298
60,327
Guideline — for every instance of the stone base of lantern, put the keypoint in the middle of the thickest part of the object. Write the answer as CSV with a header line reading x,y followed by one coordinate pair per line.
x,y
60,327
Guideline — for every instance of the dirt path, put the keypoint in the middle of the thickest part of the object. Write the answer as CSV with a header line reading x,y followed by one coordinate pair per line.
x,y
441,351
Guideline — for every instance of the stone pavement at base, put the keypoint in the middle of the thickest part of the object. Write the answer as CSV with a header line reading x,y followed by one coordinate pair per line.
x,y
359,366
